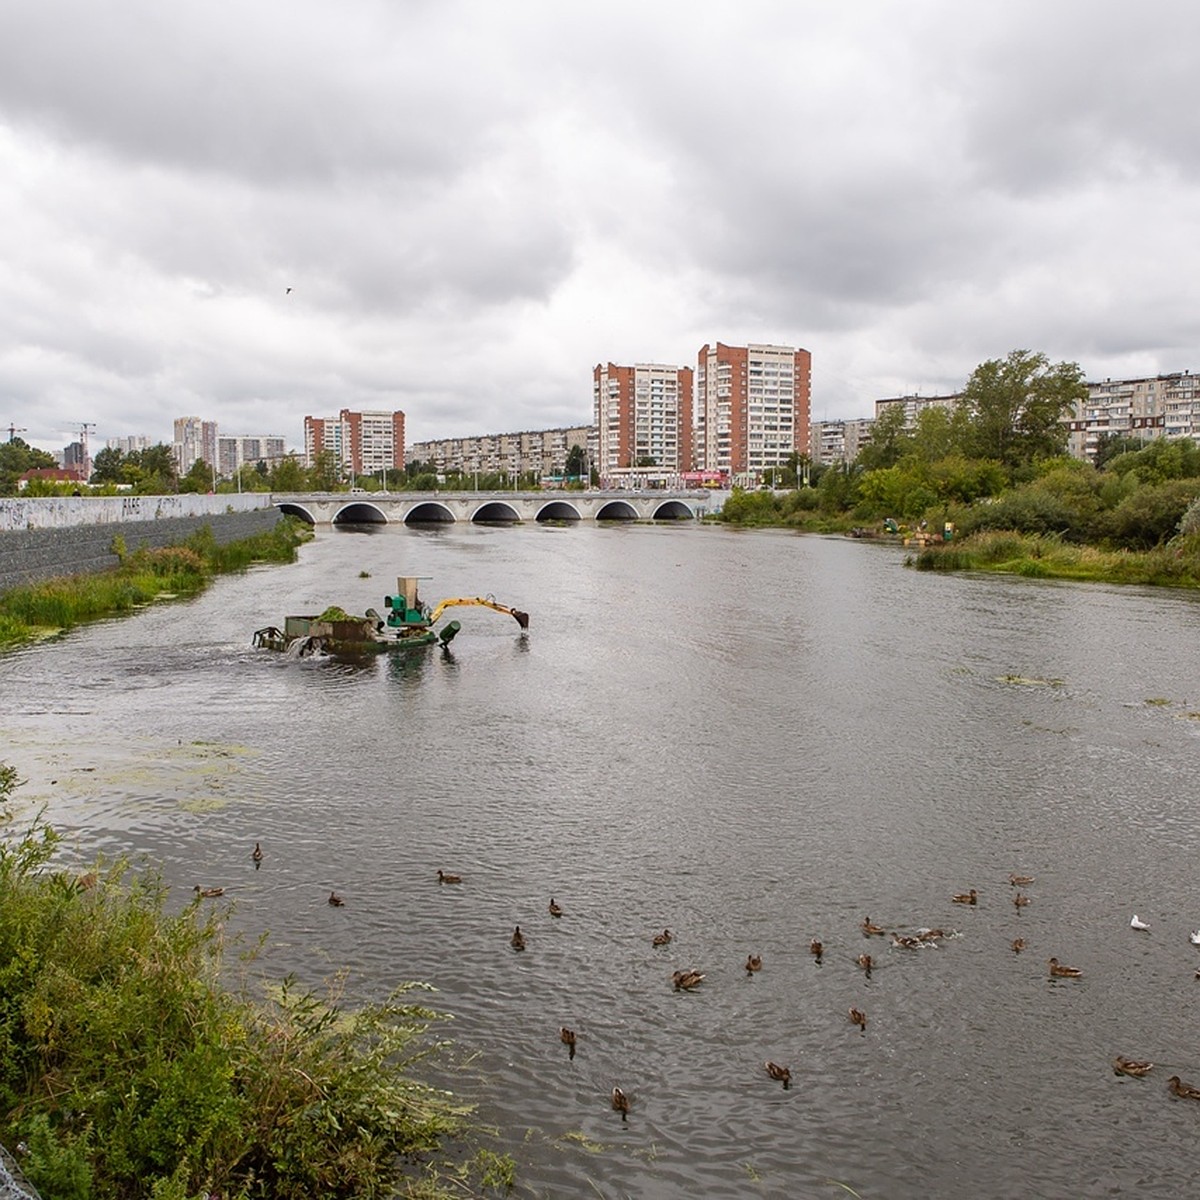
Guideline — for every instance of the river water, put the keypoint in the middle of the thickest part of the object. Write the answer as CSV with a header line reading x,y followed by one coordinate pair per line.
x,y
751,738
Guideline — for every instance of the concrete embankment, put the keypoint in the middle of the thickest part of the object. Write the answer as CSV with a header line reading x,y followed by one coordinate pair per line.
x,y
73,535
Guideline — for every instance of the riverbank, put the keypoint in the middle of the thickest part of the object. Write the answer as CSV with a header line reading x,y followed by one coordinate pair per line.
x,y
1046,557
128,1068
38,610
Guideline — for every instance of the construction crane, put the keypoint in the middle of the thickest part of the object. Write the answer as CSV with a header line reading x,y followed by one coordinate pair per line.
x,y
13,430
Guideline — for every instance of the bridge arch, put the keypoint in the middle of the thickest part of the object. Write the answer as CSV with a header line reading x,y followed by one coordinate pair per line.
x,y
617,510
292,509
674,510
558,510
496,512
359,512
429,512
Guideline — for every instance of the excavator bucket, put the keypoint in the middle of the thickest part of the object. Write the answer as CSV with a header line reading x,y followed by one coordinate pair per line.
x,y
522,618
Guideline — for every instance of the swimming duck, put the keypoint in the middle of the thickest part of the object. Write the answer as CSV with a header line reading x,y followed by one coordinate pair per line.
x,y
1018,945
780,1074
753,963
816,949
1020,880
870,929
555,908
1183,1090
444,877
1020,900
620,1102
906,943
336,900
930,935
971,897
567,1037
517,941
1061,972
865,961
257,856
208,892
662,939
1136,923
1131,1066
685,980
859,1018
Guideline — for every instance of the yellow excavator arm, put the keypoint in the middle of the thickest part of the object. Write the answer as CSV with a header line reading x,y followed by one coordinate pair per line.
x,y
522,618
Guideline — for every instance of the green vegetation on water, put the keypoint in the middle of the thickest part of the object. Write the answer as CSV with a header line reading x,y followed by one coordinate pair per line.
x,y
128,1069
33,610
993,470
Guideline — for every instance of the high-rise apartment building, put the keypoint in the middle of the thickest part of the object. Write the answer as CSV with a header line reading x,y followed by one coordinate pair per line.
x,y
643,418
751,409
233,451
195,439
362,443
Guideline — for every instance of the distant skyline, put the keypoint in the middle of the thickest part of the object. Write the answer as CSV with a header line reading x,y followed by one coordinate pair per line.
x,y
459,209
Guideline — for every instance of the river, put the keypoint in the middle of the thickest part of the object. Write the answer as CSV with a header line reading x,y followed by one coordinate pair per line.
x,y
753,739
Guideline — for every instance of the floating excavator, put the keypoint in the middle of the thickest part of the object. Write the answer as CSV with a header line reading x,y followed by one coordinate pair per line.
x,y
408,625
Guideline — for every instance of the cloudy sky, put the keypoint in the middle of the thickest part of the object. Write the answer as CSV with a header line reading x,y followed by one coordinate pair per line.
x,y
474,202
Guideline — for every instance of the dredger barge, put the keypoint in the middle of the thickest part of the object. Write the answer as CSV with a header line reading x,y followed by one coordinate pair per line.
x,y
408,625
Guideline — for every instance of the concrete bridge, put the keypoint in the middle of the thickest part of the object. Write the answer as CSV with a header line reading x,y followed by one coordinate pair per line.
x,y
503,508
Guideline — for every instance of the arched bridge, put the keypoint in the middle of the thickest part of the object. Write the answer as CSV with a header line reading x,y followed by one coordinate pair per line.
x,y
495,508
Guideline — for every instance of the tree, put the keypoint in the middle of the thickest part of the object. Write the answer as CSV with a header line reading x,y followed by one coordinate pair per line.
x,y
323,475
108,466
1016,407
198,479
890,440
288,475
17,457
576,462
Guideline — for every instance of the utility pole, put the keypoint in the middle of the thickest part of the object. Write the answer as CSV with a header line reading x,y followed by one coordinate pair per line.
x,y
13,430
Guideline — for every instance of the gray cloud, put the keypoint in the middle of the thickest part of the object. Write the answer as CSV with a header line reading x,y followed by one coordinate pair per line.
x,y
474,203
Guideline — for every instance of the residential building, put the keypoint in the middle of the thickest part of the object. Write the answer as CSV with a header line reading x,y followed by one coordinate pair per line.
x,y
913,406
1156,406
233,451
195,439
541,451
751,408
643,419
129,445
838,441
75,458
362,443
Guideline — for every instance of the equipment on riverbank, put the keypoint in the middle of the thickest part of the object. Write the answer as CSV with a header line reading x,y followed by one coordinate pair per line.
x,y
408,625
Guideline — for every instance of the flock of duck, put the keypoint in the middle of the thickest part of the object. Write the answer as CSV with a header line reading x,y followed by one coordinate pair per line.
x,y
688,980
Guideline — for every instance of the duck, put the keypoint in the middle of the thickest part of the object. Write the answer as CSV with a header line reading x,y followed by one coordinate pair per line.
x,y
662,939
1018,944
1061,972
256,855
859,1018
1131,1066
906,943
555,908
930,935
620,1102
870,929
753,963
1020,880
1020,900
567,1037
446,877
779,1073
865,961
686,980
816,949
1137,923
336,900
1183,1090
971,897
87,881
208,892
517,941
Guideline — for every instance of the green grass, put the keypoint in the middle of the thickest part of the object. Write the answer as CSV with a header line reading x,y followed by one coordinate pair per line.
x,y
1176,564
129,1069
30,611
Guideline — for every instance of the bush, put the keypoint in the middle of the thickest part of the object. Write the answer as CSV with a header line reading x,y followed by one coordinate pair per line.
x,y
1150,516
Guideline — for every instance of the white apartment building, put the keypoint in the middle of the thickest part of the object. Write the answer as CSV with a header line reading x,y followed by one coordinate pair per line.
x,y
195,439
233,451
1159,406
838,441
541,450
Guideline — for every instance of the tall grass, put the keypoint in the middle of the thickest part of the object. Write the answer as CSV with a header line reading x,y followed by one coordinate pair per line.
x,y
141,578
127,1069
